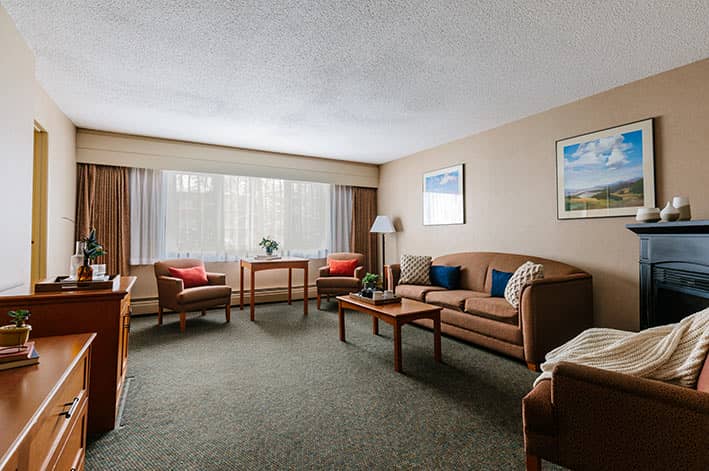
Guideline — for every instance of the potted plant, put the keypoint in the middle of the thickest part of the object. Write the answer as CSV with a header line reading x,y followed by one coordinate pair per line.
x,y
92,250
369,284
269,245
18,332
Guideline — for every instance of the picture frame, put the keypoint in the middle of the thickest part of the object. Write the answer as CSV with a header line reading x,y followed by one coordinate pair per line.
x,y
444,196
606,173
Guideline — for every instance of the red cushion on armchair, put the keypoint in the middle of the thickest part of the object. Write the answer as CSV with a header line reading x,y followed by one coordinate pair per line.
x,y
342,267
194,276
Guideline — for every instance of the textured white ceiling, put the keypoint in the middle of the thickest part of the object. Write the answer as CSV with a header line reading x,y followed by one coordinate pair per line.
x,y
366,81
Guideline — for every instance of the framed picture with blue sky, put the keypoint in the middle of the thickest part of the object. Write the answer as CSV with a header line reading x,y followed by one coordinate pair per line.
x,y
443,196
606,173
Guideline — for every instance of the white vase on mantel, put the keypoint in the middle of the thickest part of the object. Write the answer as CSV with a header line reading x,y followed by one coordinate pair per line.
x,y
669,213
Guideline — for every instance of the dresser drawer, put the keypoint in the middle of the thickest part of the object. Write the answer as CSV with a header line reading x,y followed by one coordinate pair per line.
x,y
71,456
56,421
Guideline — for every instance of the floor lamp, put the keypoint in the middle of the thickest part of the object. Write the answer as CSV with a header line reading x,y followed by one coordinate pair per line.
x,y
382,225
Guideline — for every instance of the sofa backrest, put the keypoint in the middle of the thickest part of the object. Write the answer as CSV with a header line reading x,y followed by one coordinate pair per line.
x,y
476,267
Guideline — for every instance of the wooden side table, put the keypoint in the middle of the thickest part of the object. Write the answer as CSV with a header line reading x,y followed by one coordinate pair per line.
x,y
254,265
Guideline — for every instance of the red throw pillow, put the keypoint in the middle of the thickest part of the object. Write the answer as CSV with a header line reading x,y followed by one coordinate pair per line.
x,y
195,276
342,267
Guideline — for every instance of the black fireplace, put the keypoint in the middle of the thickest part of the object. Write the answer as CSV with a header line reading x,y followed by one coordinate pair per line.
x,y
674,270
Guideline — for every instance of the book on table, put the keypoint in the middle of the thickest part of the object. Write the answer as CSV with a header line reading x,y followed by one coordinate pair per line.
x,y
15,357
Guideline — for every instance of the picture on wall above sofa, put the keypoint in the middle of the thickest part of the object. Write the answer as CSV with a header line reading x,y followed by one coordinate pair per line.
x,y
606,173
443,198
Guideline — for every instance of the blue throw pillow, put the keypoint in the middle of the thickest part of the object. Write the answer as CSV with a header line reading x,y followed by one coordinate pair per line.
x,y
499,283
445,276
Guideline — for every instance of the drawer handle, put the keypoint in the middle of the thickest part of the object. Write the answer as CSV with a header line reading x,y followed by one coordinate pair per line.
x,y
74,404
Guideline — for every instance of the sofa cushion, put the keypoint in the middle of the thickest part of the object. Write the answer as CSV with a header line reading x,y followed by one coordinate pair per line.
x,y
482,325
417,292
445,276
492,308
499,283
335,282
527,272
453,299
203,293
415,270
342,267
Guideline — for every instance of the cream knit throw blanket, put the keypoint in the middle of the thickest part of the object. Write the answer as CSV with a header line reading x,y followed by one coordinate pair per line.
x,y
672,353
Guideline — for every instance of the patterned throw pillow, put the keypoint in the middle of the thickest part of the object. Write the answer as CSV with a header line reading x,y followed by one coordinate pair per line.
x,y
527,272
415,270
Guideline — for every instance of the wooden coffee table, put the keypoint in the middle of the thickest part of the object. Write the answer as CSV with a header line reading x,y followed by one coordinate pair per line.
x,y
395,315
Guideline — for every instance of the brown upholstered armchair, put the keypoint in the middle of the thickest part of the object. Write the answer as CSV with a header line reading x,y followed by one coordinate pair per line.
x,y
587,418
328,285
174,296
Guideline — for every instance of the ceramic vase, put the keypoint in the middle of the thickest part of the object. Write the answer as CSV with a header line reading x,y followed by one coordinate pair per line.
x,y
669,213
682,204
646,215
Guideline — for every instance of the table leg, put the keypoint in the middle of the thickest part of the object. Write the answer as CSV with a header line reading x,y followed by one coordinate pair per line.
x,y
252,299
397,347
375,325
290,284
305,289
241,288
341,319
437,337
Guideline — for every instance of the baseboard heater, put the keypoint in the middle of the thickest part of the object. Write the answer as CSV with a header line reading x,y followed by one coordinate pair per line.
x,y
146,306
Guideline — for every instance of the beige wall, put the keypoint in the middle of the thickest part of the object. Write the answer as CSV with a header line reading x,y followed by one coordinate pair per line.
x,y
22,101
61,180
510,187
16,156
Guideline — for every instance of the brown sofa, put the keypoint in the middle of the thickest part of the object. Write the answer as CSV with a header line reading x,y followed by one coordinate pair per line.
x,y
552,310
587,418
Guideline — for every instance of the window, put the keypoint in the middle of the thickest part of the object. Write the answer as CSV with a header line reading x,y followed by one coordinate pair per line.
x,y
224,217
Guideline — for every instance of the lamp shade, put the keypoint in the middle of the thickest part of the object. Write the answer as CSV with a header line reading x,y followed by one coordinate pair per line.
x,y
382,225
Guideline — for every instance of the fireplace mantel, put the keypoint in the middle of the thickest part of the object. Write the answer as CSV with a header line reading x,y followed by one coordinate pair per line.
x,y
674,270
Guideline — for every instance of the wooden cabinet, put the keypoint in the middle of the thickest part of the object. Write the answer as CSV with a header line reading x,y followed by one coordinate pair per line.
x,y
105,312
43,408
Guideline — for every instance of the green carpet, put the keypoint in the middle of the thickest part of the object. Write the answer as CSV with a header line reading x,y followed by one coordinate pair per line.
x,y
284,393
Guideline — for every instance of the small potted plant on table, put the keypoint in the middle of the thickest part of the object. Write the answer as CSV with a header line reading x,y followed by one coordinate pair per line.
x,y
92,250
269,245
369,284
17,333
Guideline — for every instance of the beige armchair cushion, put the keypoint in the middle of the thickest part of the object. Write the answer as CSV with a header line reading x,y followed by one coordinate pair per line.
x,y
203,293
333,282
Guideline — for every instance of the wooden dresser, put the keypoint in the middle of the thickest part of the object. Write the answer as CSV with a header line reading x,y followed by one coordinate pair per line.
x,y
43,407
105,312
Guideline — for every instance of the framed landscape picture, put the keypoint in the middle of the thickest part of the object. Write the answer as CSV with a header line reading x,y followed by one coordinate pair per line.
x,y
606,173
443,198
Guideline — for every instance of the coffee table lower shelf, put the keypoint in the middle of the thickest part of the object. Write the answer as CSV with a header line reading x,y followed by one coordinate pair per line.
x,y
395,315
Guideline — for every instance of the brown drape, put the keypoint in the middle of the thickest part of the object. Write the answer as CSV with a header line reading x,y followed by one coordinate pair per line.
x,y
364,212
103,202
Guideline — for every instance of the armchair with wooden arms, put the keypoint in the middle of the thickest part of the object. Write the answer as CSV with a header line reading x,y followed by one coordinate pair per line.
x,y
588,418
173,295
333,285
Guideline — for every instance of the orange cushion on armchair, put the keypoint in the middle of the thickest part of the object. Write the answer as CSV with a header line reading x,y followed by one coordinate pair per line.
x,y
342,267
195,276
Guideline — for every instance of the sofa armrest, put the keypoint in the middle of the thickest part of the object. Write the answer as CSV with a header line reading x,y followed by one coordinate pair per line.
x,y
609,420
554,310
324,272
359,272
216,278
168,289
392,273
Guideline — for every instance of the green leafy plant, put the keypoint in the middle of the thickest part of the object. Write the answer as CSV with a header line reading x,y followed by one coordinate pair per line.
x,y
92,248
269,244
370,279
19,317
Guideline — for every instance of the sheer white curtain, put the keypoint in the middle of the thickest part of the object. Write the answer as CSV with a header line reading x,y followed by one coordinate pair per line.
x,y
224,217
147,216
341,218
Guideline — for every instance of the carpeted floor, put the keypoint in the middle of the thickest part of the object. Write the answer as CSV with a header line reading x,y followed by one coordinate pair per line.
x,y
284,393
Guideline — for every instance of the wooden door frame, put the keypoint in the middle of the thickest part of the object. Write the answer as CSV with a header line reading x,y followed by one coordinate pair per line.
x,y
39,204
